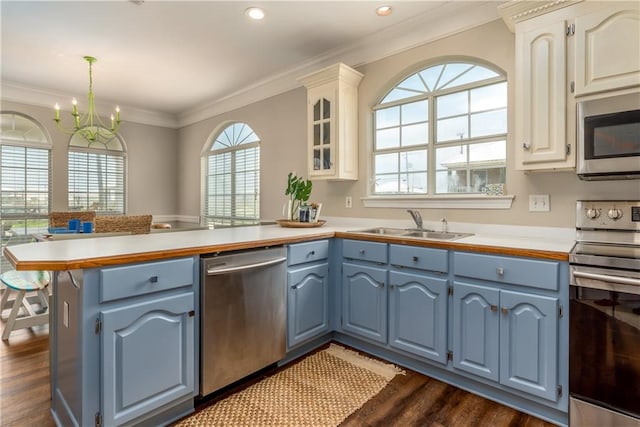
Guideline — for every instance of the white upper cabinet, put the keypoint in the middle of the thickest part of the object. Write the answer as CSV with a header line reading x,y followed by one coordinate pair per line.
x,y
542,131
565,50
332,122
608,48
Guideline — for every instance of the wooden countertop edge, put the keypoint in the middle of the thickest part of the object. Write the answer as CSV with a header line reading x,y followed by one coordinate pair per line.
x,y
155,255
199,250
501,250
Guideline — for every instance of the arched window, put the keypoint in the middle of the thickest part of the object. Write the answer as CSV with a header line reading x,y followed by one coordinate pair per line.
x,y
25,179
441,130
231,170
97,175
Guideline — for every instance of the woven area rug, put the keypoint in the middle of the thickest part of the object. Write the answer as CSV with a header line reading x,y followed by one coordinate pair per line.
x,y
321,390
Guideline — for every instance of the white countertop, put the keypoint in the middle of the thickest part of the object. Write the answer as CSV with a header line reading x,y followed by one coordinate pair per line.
x,y
95,252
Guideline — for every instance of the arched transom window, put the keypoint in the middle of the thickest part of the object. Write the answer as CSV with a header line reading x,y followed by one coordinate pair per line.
x,y
441,130
97,175
232,177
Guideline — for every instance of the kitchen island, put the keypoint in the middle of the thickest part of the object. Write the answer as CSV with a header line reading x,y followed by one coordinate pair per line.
x,y
125,327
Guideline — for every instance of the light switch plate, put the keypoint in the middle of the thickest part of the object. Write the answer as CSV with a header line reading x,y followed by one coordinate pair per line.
x,y
539,203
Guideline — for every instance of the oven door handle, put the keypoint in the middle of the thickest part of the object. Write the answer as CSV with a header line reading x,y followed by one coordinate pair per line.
x,y
606,278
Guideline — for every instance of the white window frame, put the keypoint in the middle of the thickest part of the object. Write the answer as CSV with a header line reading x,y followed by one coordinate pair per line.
x,y
110,151
43,142
245,139
432,199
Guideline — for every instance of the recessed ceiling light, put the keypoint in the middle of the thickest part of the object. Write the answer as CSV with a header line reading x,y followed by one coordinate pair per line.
x,y
384,11
254,13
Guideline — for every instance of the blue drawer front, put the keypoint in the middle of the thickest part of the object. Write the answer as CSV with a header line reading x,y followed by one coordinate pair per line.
x,y
526,272
365,251
420,258
300,253
140,279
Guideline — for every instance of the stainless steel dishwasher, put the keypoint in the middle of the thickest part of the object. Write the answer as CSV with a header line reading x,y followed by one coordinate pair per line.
x,y
243,315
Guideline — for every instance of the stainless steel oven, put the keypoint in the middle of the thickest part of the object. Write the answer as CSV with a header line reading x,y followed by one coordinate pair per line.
x,y
609,138
604,315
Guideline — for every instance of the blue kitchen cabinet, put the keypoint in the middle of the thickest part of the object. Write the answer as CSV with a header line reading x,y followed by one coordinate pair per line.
x,y
307,291
364,301
476,330
418,293
147,357
506,322
529,343
418,315
124,348
307,303
364,289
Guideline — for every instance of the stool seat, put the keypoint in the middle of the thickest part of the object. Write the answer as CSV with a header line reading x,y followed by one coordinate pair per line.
x,y
22,282
25,280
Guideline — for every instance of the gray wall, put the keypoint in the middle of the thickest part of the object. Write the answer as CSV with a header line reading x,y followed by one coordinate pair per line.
x,y
152,167
280,123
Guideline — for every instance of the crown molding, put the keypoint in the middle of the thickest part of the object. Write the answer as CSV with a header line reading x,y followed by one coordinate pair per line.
x,y
445,20
515,11
16,92
448,19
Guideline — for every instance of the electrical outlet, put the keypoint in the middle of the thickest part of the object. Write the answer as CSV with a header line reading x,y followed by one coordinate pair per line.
x,y
348,202
539,203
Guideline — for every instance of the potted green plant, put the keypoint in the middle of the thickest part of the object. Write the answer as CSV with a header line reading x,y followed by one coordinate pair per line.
x,y
299,191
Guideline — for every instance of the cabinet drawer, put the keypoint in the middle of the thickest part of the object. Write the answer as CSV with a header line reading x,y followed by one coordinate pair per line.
x,y
140,279
526,272
420,258
365,251
307,252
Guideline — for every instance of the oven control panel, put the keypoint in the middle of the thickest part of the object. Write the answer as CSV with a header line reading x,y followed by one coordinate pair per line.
x,y
608,215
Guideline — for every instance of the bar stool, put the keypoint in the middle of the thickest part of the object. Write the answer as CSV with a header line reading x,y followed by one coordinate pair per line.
x,y
22,282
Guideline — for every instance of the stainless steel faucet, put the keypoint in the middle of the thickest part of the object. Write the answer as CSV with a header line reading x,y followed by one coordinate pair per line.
x,y
417,218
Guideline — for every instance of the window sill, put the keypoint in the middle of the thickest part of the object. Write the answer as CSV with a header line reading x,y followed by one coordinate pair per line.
x,y
466,201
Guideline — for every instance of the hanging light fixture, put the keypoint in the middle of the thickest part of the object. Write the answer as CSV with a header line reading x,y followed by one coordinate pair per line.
x,y
89,125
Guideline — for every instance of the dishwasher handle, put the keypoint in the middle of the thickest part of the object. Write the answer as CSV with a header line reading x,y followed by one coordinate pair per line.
x,y
215,271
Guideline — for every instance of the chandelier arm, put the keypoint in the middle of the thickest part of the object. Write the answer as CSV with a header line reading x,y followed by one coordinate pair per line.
x,y
90,125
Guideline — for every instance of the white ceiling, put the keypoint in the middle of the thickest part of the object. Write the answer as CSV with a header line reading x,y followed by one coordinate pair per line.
x,y
177,62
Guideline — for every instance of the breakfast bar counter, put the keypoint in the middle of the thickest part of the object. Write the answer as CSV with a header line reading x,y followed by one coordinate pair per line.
x,y
84,253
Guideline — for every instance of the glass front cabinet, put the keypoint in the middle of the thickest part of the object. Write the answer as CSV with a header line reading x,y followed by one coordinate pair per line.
x,y
332,117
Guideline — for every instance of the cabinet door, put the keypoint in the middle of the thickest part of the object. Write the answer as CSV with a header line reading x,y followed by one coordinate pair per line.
x,y
364,301
321,119
418,315
529,343
475,330
541,98
147,356
608,49
307,303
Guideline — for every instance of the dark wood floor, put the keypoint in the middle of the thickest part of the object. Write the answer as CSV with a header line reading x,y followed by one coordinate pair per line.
x,y
409,400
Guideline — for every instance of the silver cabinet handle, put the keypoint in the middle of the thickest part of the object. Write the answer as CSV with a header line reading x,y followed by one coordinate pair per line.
x,y
504,310
414,259
153,279
500,271
526,146
361,251
494,308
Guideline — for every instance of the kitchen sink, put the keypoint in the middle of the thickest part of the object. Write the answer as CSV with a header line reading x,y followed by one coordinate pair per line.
x,y
438,235
383,231
421,234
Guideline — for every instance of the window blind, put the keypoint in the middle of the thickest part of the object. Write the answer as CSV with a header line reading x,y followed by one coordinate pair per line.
x,y
96,182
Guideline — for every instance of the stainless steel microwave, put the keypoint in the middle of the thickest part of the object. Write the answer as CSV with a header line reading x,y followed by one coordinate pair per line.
x,y
609,138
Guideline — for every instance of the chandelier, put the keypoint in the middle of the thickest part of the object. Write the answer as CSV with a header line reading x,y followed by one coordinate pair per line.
x,y
89,125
